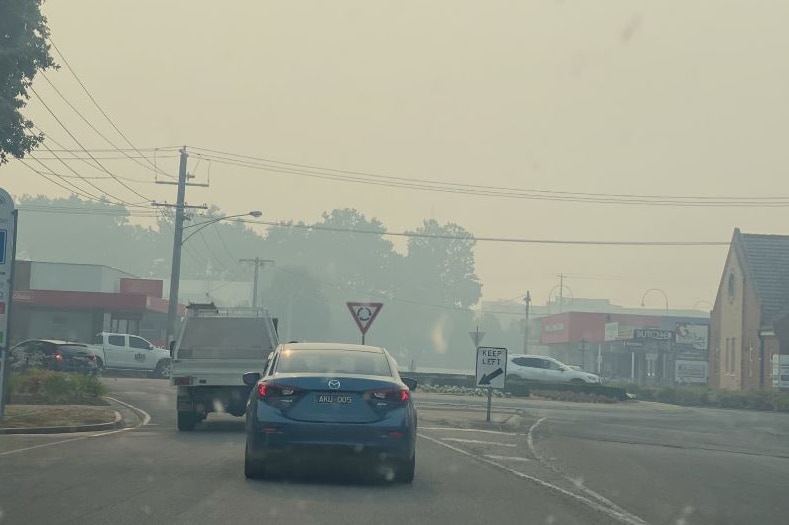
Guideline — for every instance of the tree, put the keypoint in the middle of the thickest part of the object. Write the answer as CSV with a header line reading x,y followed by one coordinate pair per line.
x,y
23,53
296,298
441,262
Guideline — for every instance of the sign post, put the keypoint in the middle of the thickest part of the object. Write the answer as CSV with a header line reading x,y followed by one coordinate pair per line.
x,y
8,220
491,370
364,314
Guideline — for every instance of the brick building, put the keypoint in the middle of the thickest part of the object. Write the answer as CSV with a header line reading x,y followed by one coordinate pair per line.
x,y
751,308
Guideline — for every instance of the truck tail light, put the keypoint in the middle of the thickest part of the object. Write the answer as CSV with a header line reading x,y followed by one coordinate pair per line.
x,y
182,381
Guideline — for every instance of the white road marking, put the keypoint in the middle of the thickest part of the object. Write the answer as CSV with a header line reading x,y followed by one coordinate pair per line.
x,y
583,488
146,419
479,442
482,431
622,517
506,458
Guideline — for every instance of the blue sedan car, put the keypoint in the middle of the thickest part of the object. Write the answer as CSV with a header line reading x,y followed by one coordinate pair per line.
x,y
321,400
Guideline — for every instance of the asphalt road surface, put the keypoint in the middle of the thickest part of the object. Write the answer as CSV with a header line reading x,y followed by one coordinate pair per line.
x,y
563,463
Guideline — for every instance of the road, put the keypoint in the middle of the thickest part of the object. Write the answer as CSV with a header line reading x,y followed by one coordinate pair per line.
x,y
626,463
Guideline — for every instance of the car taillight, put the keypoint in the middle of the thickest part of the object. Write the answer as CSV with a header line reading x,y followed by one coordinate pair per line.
x,y
182,381
269,390
58,355
393,395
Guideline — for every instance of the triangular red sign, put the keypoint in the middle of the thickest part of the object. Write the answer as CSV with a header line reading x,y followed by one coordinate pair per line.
x,y
364,314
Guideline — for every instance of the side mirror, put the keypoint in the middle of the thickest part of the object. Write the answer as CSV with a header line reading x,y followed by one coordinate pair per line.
x,y
251,378
410,383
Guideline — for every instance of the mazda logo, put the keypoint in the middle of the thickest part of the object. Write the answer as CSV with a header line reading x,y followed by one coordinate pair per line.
x,y
334,384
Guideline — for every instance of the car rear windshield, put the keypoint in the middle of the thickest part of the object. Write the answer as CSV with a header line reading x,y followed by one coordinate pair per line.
x,y
331,361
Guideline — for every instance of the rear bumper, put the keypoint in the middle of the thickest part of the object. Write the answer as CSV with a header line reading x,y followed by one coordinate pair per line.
x,y
212,399
325,440
78,369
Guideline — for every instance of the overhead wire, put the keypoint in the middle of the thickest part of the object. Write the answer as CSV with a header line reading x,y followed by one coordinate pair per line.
x,y
361,177
95,129
75,139
79,175
73,189
485,238
98,106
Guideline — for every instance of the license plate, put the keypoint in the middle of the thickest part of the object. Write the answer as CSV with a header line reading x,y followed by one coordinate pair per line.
x,y
333,399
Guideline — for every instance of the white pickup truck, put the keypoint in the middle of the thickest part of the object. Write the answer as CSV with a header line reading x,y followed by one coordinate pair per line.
x,y
130,352
214,350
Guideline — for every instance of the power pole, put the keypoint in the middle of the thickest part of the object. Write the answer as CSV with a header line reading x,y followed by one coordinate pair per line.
x,y
258,262
526,300
178,236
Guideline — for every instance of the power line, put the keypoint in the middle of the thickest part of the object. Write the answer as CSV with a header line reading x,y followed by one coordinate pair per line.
x,y
360,177
78,175
224,244
74,189
65,128
80,191
93,211
487,239
98,106
98,132
116,150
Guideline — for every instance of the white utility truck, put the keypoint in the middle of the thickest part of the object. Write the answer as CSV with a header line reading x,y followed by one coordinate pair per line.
x,y
215,348
130,352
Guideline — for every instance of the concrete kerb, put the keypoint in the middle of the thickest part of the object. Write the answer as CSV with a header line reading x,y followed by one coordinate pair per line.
x,y
509,421
95,427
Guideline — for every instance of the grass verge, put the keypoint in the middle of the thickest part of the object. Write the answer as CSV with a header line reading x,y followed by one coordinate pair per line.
x,y
32,416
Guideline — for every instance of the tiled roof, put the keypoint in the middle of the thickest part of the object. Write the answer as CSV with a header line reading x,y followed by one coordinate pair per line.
x,y
767,260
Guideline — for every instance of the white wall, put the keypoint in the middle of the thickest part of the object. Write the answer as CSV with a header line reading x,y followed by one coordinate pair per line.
x,y
75,277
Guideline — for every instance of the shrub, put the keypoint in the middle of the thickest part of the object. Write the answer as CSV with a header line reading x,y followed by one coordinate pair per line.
x,y
48,386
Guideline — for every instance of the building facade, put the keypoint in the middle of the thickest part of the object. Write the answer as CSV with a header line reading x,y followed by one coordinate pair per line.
x,y
74,302
751,307
640,348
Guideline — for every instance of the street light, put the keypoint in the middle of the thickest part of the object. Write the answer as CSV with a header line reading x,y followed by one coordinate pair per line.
x,y
175,273
204,224
655,290
562,288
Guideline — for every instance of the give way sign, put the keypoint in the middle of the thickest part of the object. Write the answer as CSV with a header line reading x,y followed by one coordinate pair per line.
x,y
364,314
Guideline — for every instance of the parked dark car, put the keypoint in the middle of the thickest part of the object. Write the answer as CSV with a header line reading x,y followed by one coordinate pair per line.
x,y
53,355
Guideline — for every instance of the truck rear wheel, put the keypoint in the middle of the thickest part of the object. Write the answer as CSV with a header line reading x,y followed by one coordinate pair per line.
x,y
187,421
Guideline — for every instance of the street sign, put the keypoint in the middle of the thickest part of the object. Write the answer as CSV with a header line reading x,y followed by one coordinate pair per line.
x,y
8,218
476,337
491,367
364,314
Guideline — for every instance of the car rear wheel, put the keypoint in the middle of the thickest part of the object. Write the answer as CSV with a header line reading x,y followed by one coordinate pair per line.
x,y
253,468
405,470
187,421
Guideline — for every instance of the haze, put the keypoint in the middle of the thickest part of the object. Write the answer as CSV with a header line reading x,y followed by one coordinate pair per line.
x,y
623,97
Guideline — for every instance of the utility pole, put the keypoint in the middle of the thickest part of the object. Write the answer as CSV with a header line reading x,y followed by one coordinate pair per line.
x,y
527,300
178,236
258,262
